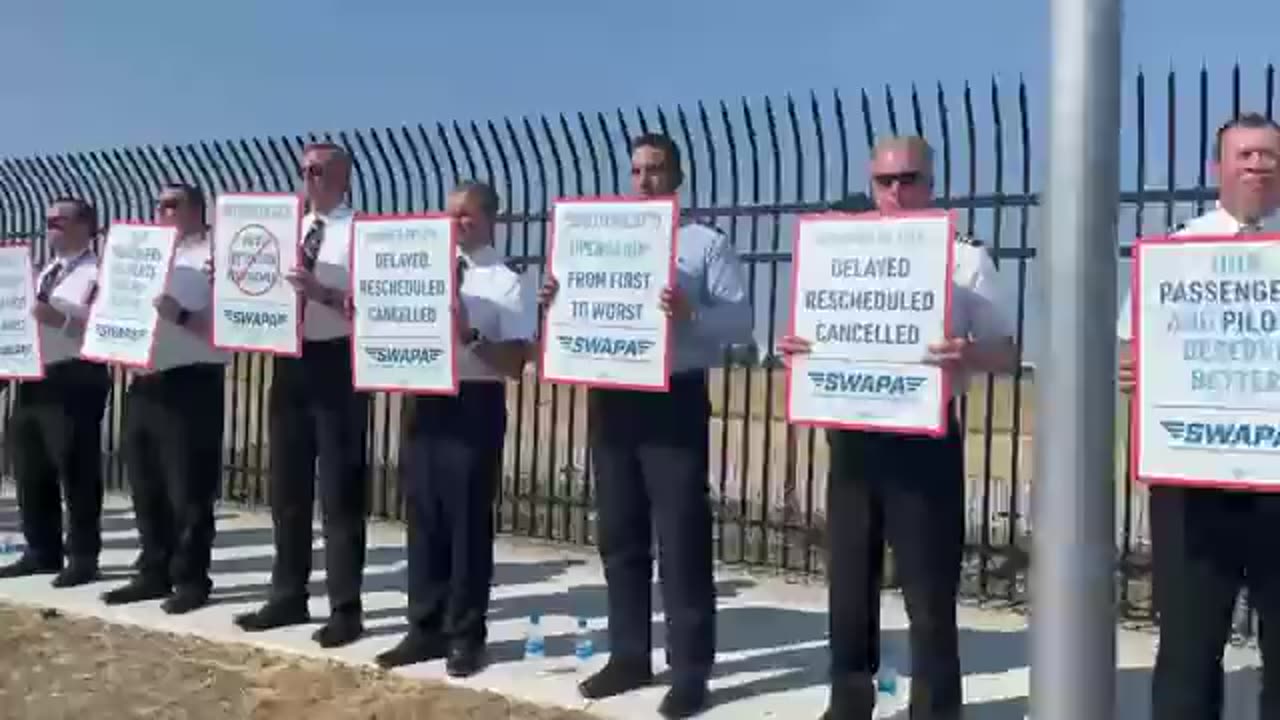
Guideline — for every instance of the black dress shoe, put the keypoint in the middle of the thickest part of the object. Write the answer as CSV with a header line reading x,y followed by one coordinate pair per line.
x,y
615,678
465,661
413,648
138,590
684,700
342,629
185,600
77,572
273,615
29,564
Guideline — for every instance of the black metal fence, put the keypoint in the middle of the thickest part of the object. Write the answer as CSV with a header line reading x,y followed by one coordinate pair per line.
x,y
751,167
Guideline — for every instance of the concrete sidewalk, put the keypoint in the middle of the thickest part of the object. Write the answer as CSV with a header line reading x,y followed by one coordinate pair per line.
x,y
772,660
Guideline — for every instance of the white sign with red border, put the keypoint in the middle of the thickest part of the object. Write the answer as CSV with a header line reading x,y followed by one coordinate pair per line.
x,y
871,292
20,352
136,262
255,243
1206,343
403,292
612,257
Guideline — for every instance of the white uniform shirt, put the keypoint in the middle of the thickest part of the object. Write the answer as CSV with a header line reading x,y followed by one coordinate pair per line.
x,y
500,306
189,285
977,309
1214,222
333,268
70,295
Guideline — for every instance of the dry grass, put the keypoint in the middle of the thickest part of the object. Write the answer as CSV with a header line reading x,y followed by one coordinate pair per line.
x,y
54,667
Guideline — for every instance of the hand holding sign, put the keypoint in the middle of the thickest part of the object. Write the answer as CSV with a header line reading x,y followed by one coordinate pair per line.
x,y
790,345
950,354
46,314
673,302
547,293
305,282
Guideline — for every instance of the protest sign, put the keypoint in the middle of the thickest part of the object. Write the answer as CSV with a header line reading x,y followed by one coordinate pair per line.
x,y
121,328
20,356
255,243
403,277
1206,341
612,258
871,292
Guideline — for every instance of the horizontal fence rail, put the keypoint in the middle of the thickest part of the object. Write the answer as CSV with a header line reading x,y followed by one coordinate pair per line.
x,y
751,168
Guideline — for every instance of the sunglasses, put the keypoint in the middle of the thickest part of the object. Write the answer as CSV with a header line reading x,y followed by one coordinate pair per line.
x,y
169,204
312,171
904,179
57,223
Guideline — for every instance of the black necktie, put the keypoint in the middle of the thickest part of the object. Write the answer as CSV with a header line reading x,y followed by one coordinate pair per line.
x,y
311,245
1249,229
461,273
49,282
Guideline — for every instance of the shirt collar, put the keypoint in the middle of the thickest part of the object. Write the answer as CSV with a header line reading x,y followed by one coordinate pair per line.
x,y
194,238
1267,222
481,256
338,214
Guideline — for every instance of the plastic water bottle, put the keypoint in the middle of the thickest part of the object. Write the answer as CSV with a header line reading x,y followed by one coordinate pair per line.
x,y
11,546
583,646
535,643
891,696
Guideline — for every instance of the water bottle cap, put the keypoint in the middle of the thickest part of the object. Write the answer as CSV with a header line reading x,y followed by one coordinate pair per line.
x,y
535,618
582,622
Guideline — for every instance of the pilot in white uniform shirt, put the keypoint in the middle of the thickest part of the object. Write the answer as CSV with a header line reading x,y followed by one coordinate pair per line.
x,y
978,307
453,451
73,282
500,306
326,320
188,284
173,432
55,431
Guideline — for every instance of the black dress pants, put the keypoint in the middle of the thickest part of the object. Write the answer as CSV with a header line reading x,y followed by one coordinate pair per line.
x,y
1206,545
650,451
318,426
908,490
173,445
56,444
453,462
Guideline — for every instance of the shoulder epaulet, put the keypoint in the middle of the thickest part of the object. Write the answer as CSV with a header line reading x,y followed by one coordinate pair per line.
x,y
966,239
1178,228
516,266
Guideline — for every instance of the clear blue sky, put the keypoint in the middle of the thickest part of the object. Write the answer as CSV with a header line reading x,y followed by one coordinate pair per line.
x,y
96,74
89,74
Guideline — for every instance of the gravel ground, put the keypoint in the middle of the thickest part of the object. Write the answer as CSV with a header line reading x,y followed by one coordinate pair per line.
x,y
54,666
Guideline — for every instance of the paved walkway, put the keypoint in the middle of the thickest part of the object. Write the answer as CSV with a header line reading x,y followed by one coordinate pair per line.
x,y
772,659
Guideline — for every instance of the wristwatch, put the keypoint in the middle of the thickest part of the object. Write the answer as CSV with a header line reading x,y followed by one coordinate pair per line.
x,y
473,339
183,317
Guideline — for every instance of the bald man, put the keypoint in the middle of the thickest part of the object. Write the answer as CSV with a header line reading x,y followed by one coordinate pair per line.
x,y
315,414
908,489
